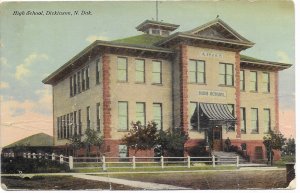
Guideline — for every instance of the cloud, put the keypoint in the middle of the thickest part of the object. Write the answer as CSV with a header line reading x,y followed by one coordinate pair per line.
x,y
283,57
3,61
4,85
23,70
25,118
92,38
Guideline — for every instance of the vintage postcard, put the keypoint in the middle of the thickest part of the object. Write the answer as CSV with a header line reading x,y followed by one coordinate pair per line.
x,y
147,95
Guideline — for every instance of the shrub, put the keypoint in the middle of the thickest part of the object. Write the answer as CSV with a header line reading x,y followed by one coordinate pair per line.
x,y
14,165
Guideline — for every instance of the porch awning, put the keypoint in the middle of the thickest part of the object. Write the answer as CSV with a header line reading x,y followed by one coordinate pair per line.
x,y
216,112
211,114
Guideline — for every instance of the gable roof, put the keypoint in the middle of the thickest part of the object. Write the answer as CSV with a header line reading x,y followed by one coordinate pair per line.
x,y
40,139
219,24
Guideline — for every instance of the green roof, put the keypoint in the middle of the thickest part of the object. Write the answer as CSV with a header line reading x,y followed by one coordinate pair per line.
x,y
144,39
40,139
244,57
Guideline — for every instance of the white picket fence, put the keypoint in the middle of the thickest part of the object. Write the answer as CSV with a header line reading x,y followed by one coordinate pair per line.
x,y
131,162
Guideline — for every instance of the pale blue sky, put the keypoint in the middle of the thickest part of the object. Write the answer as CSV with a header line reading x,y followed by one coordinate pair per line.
x,y
34,46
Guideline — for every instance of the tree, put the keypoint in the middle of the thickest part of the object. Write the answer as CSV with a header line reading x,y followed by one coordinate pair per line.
x,y
76,143
290,146
171,142
141,137
273,141
92,138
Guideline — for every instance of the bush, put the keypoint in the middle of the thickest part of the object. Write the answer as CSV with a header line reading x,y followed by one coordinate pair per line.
x,y
14,165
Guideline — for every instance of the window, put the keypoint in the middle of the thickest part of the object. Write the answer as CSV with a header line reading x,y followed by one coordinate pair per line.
x,y
266,82
140,70
82,79
123,115
87,78
78,82
71,87
231,108
254,120
140,113
242,80
196,71
71,124
88,121
61,127
243,119
122,69
226,74
79,122
75,122
67,124
98,71
156,72
98,116
157,115
267,120
123,152
192,107
58,127
253,81
155,31
74,84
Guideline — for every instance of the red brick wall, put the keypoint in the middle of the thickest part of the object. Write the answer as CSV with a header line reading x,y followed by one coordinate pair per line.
x,y
237,95
251,144
106,102
183,87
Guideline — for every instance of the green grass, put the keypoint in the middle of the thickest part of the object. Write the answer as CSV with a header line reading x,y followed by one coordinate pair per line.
x,y
204,167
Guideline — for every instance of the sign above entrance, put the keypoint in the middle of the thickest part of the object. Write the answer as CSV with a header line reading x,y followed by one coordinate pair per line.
x,y
211,54
212,93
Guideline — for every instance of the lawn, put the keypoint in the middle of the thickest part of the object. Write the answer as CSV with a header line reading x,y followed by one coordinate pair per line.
x,y
58,183
214,180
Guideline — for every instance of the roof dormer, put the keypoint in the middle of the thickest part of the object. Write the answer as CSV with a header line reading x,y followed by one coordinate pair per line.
x,y
156,28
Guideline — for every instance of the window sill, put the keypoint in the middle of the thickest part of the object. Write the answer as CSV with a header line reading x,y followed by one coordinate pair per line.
x,y
254,132
243,132
266,93
197,83
253,91
157,84
242,90
223,85
120,81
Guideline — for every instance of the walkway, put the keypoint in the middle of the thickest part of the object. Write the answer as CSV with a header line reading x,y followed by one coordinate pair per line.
x,y
135,184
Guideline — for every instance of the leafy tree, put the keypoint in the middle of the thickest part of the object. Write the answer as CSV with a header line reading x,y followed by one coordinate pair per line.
x,y
76,143
290,146
141,137
273,141
92,138
171,142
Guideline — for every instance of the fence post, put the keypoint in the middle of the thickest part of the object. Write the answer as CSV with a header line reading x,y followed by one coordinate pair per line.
x,y
237,161
53,156
162,161
189,161
33,156
71,162
46,155
24,155
213,161
61,159
40,156
133,162
103,163
29,155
